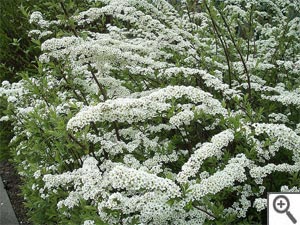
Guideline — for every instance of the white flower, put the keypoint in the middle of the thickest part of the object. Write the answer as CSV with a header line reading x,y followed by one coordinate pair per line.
x,y
134,180
233,171
37,174
4,118
89,222
206,150
260,204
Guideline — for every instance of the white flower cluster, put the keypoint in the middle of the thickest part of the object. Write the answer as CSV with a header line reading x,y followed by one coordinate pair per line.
x,y
278,117
286,98
13,91
284,137
206,150
87,181
89,222
37,17
259,173
233,171
241,206
181,118
285,188
133,110
149,208
155,163
283,96
134,180
209,80
260,204
121,110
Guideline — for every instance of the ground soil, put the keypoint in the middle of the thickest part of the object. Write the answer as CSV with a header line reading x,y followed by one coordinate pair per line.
x,y
12,183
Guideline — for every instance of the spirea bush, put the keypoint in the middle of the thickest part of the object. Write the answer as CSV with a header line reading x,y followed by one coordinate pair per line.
x,y
159,112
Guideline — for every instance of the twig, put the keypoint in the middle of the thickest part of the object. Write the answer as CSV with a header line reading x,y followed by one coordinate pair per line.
x,y
222,43
239,53
203,210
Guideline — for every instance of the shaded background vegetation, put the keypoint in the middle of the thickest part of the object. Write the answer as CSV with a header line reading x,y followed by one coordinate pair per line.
x,y
17,53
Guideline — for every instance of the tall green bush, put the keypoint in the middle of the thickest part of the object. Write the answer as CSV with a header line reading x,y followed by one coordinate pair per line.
x,y
144,113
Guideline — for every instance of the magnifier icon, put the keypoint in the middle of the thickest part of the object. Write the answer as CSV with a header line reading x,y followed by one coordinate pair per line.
x,y
281,204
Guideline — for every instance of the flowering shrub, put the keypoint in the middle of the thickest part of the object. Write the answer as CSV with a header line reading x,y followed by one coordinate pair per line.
x,y
147,112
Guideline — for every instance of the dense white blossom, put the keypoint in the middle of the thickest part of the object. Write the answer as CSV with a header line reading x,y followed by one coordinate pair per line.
x,y
89,222
260,204
233,171
144,111
133,110
204,151
259,173
122,177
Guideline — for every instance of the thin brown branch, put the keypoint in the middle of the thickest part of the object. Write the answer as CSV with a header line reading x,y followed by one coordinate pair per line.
x,y
187,144
225,48
203,210
77,142
239,53
68,17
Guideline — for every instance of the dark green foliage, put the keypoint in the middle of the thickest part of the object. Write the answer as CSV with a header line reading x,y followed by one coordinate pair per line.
x,y
17,53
